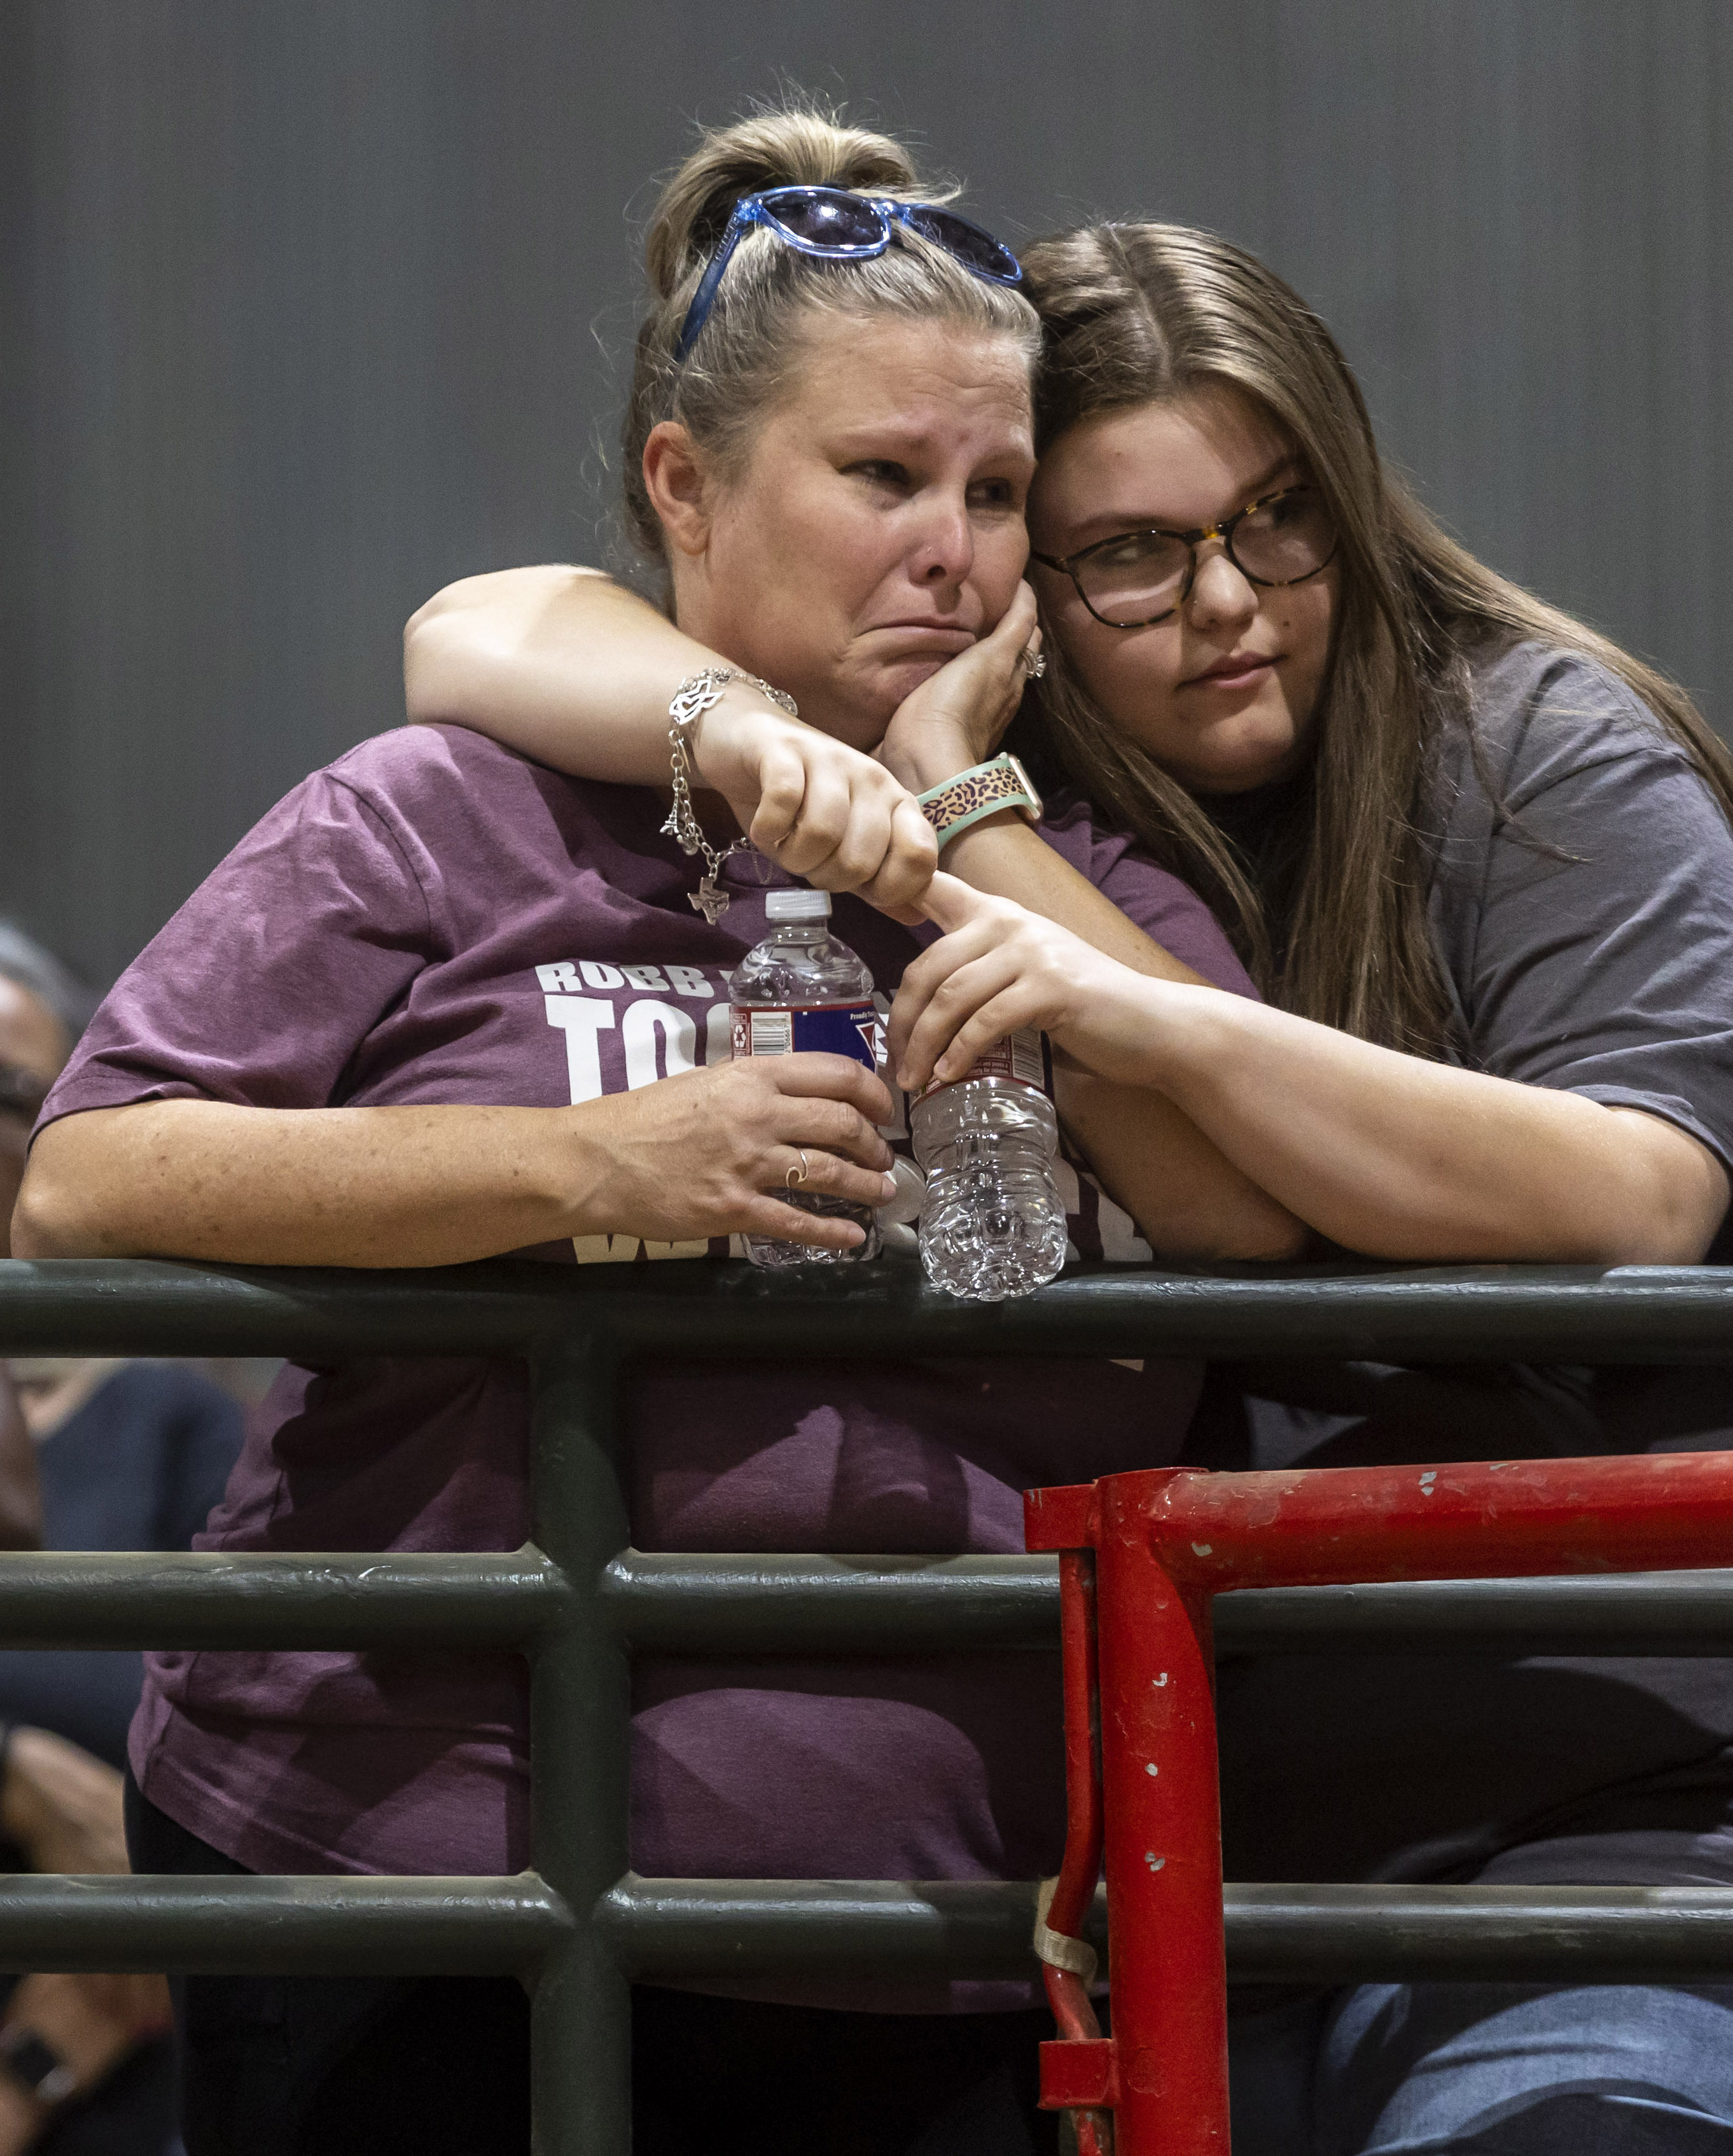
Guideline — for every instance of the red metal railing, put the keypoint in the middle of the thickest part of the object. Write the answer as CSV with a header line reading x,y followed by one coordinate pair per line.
x,y
1143,1556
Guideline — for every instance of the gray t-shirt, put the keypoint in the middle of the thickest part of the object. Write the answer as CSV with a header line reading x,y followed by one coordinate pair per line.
x,y
1582,907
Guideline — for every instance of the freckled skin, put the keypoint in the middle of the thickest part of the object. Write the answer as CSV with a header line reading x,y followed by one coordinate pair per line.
x,y
877,527
1183,465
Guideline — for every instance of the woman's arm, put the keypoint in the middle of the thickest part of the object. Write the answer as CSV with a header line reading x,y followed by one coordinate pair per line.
x,y
1402,1158
687,1157
1382,1153
568,667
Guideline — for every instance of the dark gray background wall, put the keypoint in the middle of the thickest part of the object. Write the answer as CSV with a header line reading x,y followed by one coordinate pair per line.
x,y
311,306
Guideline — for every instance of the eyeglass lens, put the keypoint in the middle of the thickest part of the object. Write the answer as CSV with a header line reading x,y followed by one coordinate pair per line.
x,y
1140,577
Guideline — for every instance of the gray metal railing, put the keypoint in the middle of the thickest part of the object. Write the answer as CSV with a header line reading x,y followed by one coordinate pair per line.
x,y
580,1927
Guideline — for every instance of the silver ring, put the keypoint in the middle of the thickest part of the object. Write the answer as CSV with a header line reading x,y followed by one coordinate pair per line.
x,y
1035,664
790,1179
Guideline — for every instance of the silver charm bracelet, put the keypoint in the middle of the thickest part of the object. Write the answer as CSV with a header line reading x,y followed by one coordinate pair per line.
x,y
698,694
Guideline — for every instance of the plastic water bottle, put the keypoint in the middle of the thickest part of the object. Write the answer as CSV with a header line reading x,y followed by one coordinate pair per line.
x,y
800,988
993,1223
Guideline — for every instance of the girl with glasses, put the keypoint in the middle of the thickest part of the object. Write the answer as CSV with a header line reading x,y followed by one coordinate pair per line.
x,y
445,1002
1479,859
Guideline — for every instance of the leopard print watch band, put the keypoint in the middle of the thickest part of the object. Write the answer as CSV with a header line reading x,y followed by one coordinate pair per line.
x,y
980,791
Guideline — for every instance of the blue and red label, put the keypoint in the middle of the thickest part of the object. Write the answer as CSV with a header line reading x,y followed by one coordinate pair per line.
x,y
850,1029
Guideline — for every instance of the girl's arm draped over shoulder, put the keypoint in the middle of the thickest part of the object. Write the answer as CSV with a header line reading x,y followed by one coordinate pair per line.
x,y
562,663
567,667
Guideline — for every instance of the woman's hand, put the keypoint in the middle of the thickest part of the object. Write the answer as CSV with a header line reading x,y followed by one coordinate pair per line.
x,y
709,1152
958,718
999,967
820,809
705,1152
849,822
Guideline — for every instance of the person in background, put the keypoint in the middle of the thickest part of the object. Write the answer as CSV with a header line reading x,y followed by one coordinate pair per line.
x,y
40,1020
43,1009
95,1454
129,1455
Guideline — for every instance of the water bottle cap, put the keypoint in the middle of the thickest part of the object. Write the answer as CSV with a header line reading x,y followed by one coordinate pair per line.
x,y
797,905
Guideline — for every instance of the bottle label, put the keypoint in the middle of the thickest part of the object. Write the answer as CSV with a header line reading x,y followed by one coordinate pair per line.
x,y
1018,1057
851,1029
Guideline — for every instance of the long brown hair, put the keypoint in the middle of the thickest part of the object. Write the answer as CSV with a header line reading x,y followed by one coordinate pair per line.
x,y
1140,313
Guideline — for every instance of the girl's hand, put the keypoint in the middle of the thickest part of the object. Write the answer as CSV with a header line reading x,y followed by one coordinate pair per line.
x,y
710,1152
999,967
821,810
958,718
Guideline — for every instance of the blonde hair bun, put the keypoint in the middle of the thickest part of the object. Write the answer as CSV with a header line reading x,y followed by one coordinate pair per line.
x,y
753,344
798,146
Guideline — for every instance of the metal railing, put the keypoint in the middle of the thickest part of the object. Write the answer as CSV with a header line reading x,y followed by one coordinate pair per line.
x,y
579,1927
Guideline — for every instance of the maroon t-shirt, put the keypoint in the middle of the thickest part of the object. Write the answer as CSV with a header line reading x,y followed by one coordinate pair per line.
x,y
434,919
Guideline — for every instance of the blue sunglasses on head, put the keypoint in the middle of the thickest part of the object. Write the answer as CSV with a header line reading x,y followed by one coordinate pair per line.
x,y
845,228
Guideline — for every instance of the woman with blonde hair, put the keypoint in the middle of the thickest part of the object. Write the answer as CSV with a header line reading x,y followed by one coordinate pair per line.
x,y
445,1004
1479,859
